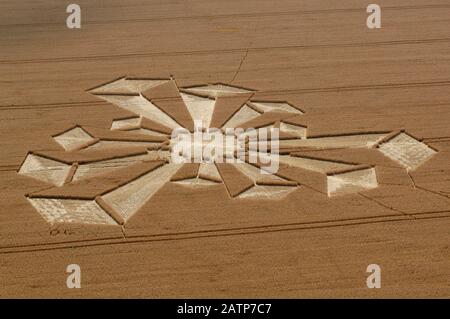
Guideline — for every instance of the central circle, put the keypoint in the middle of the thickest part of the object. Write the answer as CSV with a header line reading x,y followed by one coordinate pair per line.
x,y
203,147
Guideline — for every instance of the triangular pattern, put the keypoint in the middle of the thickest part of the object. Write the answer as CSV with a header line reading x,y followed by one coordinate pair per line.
x,y
196,182
217,90
73,139
364,140
313,164
276,107
167,90
127,86
256,174
244,114
200,108
143,107
126,124
267,192
128,199
102,167
295,130
146,131
45,169
209,171
226,107
176,109
107,145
